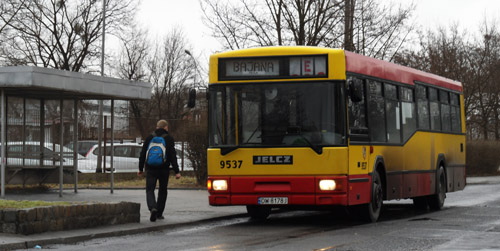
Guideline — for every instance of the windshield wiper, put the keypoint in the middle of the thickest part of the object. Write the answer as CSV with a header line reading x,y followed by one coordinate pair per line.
x,y
296,131
253,133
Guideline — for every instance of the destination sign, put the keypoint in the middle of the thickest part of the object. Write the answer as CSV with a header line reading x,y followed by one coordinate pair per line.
x,y
284,67
252,67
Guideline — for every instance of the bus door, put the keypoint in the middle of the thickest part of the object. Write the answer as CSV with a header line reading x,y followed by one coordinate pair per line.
x,y
359,148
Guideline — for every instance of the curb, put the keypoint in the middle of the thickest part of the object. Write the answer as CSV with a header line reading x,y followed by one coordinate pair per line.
x,y
139,230
127,188
486,180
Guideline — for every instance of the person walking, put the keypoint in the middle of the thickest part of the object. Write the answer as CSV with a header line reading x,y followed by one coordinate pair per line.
x,y
159,172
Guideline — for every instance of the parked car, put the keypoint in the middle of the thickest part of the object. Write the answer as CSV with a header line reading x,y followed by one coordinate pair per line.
x,y
31,153
187,163
125,159
83,146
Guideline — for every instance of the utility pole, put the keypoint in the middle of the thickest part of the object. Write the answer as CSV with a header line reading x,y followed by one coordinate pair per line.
x,y
99,130
349,25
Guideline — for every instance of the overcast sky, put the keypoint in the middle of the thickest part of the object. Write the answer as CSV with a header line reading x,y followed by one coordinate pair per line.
x,y
160,16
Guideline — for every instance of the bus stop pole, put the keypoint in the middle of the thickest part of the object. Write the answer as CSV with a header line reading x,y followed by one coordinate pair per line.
x,y
3,148
112,144
61,143
75,143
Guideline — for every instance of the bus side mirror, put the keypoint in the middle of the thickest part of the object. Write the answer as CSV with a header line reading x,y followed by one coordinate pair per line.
x,y
355,90
192,98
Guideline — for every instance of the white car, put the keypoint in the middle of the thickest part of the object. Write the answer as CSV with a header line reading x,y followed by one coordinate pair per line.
x,y
187,163
31,154
125,159
83,146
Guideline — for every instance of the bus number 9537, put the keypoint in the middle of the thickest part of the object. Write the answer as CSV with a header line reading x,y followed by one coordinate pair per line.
x,y
230,164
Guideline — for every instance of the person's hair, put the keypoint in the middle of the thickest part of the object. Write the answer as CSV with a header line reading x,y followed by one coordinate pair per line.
x,y
161,123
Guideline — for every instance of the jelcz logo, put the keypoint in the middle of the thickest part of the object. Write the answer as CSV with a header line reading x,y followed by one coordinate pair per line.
x,y
273,160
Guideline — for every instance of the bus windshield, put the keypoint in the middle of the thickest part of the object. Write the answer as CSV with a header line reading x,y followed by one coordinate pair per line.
x,y
279,115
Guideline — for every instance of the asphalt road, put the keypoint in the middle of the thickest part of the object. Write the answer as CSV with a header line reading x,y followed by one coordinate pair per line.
x,y
470,220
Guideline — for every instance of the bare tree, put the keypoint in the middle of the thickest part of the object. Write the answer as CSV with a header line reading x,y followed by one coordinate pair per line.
x,y
381,30
450,52
485,92
365,27
62,34
272,22
169,71
132,64
8,10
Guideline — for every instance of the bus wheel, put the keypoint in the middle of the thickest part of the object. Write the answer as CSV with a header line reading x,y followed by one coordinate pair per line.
x,y
436,201
377,196
258,212
371,211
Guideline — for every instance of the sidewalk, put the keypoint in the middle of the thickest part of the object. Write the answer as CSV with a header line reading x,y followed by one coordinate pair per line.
x,y
184,207
483,180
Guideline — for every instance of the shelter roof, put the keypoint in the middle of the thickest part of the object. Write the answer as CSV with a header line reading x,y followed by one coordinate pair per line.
x,y
37,82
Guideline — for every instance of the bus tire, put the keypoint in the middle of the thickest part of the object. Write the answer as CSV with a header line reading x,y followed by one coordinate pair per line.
x,y
371,211
436,201
258,212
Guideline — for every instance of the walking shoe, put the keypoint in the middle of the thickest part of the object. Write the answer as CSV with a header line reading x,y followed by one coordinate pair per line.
x,y
153,215
160,217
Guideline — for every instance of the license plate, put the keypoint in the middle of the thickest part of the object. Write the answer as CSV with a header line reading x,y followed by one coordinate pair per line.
x,y
273,200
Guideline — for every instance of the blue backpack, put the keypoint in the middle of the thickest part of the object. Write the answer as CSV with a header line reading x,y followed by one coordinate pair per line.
x,y
156,154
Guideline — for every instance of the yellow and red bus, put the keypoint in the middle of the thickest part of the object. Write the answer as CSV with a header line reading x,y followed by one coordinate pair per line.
x,y
309,126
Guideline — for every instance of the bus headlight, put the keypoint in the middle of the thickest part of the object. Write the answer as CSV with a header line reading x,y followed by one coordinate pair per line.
x,y
327,185
219,185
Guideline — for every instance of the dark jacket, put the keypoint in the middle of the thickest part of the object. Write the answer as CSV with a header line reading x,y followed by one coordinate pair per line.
x,y
171,155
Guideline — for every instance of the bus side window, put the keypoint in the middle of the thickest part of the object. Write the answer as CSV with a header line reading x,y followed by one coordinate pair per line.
x,y
392,112
376,112
357,116
456,122
422,107
434,109
444,98
408,113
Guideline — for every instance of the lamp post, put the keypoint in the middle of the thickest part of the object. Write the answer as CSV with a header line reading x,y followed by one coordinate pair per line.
x,y
192,93
195,67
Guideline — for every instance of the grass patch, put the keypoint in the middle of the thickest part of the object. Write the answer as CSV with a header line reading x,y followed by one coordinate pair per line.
x,y
15,204
183,182
103,181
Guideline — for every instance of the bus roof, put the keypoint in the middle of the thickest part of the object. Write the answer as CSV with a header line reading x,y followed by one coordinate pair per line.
x,y
275,51
360,64
354,63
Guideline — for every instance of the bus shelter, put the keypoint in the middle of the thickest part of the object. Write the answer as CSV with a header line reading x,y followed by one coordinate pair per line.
x,y
39,115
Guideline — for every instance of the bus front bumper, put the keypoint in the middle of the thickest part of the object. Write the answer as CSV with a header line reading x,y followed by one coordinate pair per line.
x,y
278,191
